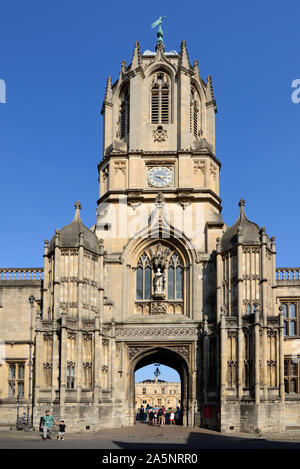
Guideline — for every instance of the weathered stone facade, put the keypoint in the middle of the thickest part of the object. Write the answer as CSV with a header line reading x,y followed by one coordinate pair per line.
x,y
159,277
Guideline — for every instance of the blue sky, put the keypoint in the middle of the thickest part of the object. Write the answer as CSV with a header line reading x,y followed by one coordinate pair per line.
x,y
55,58
147,372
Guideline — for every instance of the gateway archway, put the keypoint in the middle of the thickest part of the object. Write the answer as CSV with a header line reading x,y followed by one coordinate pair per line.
x,y
172,359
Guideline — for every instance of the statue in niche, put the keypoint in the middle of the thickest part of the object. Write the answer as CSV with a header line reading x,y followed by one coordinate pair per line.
x,y
159,282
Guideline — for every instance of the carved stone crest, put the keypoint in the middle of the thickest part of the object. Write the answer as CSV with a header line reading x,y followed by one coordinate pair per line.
x,y
159,135
158,307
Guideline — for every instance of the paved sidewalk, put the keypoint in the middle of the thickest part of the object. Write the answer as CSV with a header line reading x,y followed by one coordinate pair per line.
x,y
146,436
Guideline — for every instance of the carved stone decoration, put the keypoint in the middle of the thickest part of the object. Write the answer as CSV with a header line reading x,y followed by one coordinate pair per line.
x,y
105,341
104,368
183,350
86,337
199,165
71,336
71,322
157,332
87,365
213,171
159,255
271,333
184,198
158,308
249,250
89,255
231,321
47,366
120,166
159,134
231,334
47,323
134,199
88,323
134,350
232,362
48,337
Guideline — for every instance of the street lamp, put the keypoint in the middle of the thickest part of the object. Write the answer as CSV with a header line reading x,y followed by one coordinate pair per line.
x,y
30,419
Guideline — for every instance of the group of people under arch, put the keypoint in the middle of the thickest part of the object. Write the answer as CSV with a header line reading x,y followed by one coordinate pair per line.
x,y
159,415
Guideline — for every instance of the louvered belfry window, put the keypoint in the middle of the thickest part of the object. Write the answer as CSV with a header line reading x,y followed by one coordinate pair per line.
x,y
194,113
160,98
124,114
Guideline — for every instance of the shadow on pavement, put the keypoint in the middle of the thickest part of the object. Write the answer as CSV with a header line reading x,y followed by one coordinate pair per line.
x,y
202,441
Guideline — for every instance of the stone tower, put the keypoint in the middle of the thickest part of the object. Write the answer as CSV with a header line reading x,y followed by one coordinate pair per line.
x,y
160,277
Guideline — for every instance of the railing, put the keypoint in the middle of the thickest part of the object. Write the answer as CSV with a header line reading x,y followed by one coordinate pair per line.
x,y
288,273
32,273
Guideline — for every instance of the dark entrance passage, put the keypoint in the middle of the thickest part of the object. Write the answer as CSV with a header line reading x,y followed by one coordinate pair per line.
x,y
168,357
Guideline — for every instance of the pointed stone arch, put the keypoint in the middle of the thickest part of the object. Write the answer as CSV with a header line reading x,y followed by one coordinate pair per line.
x,y
176,356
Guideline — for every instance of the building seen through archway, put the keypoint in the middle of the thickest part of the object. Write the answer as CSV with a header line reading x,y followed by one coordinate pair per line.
x,y
157,393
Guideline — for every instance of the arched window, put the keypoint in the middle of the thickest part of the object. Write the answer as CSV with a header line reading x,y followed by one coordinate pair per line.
x,y
194,113
143,279
160,98
124,114
175,278
160,277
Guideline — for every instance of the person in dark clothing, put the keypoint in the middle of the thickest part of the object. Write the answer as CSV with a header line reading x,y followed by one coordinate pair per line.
x,y
142,412
61,430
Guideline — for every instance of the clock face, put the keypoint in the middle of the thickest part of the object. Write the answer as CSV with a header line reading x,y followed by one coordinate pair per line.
x,y
160,176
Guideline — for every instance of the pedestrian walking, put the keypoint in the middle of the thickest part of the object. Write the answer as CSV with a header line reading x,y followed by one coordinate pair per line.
x,y
160,416
172,415
61,430
47,425
142,412
163,419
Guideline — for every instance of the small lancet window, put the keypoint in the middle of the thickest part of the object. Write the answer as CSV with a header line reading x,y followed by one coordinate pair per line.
x,y
160,98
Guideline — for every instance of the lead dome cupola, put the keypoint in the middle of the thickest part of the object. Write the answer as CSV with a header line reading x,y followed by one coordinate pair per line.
x,y
248,230
69,235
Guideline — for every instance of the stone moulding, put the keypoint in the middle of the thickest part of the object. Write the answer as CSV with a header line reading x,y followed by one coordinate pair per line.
x,y
157,332
184,350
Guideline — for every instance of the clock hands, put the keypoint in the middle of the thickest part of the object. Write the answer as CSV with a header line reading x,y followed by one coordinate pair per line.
x,y
161,177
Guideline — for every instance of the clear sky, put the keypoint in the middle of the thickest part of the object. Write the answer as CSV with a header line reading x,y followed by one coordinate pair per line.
x,y
55,59
166,373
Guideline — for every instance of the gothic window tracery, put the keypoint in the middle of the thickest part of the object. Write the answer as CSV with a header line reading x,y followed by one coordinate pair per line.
x,y
159,275
160,98
175,278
